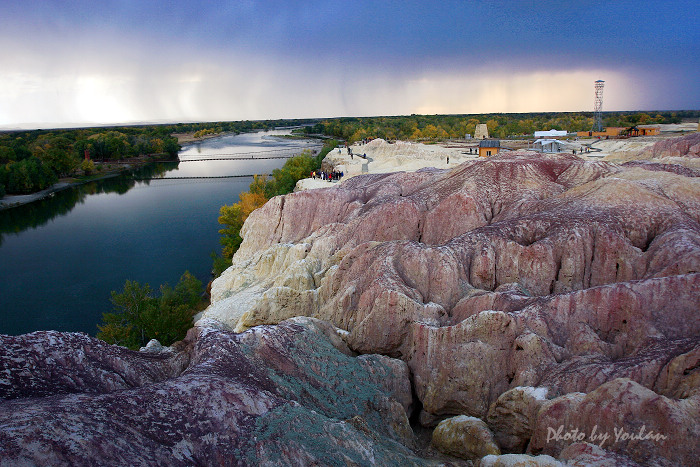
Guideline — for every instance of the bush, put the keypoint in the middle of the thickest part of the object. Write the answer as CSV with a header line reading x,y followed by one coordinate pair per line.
x,y
28,176
219,263
140,316
88,166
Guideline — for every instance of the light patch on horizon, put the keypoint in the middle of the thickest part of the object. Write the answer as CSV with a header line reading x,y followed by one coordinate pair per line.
x,y
523,92
251,87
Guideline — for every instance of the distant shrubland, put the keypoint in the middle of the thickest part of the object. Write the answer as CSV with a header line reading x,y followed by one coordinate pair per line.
x,y
440,127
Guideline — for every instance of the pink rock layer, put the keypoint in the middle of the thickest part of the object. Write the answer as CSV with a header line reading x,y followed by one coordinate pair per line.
x,y
521,270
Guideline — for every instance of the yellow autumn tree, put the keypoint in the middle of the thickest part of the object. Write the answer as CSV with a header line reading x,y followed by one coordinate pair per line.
x,y
250,202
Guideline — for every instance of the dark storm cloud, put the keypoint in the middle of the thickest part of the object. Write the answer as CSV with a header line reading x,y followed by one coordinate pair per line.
x,y
177,60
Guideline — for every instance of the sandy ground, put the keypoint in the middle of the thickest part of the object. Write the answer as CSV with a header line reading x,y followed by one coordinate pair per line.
x,y
311,183
384,157
401,156
675,127
623,149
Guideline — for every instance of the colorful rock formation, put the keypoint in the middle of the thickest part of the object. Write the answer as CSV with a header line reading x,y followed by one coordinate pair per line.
x,y
540,306
524,270
283,395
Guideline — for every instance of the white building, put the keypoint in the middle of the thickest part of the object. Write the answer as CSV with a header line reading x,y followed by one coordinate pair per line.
x,y
550,133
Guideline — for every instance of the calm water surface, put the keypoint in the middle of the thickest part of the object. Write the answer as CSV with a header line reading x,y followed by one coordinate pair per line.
x,y
61,257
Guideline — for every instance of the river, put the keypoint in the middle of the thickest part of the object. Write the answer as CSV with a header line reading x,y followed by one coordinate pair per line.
x,y
61,257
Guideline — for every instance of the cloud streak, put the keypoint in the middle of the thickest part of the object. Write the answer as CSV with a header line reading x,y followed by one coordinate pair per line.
x,y
74,63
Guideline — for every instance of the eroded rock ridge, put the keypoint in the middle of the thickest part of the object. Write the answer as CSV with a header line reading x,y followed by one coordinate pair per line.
x,y
526,309
290,394
523,270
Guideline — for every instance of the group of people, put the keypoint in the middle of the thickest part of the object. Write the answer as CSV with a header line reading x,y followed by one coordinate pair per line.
x,y
334,175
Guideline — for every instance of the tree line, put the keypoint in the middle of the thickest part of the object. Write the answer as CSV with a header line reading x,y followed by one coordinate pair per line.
x,y
31,161
442,127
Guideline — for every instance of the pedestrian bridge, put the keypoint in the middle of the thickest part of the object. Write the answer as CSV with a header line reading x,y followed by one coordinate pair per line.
x,y
286,153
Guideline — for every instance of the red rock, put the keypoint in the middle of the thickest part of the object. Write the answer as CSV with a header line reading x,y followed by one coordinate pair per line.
x,y
682,146
640,424
274,395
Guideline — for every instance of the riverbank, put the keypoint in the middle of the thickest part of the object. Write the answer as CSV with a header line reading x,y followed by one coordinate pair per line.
x,y
189,138
13,201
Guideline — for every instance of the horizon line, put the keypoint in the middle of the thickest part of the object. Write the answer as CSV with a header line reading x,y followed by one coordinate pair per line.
x,y
45,126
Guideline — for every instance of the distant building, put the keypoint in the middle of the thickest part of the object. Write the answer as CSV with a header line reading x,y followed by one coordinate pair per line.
x,y
548,145
482,131
606,133
638,130
642,130
550,133
489,147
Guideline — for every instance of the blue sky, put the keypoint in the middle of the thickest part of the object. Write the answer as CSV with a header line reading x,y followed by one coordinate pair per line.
x,y
99,62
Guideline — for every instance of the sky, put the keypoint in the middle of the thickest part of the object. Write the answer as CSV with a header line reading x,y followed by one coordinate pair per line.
x,y
75,63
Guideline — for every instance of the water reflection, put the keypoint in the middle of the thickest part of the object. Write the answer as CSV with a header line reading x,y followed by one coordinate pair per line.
x,y
38,213
62,256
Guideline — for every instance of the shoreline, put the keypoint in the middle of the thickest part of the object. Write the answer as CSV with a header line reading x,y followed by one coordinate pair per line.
x,y
14,201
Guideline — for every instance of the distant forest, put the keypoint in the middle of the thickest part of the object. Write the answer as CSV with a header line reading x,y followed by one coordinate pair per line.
x,y
33,160
440,127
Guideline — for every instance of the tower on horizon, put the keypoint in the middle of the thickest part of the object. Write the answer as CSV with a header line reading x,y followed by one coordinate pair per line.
x,y
598,106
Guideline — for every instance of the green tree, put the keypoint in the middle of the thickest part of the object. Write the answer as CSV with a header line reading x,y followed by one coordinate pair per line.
x,y
127,325
140,316
170,146
29,175
87,166
7,154
219,263
56,151
491,125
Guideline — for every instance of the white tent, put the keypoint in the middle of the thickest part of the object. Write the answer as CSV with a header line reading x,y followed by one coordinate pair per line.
x,y
550,133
